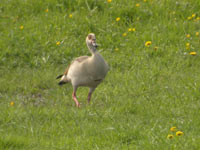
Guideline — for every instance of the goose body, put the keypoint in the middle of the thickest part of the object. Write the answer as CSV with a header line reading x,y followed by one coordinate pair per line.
x,y
86,71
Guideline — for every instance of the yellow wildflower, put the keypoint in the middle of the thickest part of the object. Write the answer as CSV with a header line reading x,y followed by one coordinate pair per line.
x,y
47,10
179,133
148,43
124,34
12,103
109,1
133,29
198,18
145,0
187,44
21,27
188,35
137,5
173,129
70,15
129,29
117,19
170,136
58,43
116,49
197,33
193,15
193,53
189,18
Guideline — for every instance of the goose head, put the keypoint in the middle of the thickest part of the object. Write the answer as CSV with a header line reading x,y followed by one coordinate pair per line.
x,y
91,42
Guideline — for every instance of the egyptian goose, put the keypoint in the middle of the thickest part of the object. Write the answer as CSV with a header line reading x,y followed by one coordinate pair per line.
x,y
86,71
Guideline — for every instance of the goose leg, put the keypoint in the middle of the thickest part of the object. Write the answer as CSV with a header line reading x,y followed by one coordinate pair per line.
x,y
90,94
74,97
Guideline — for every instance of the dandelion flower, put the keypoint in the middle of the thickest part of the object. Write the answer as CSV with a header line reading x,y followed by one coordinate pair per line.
x,y
70,15
148,43
109,1
193,53
137,5
145,0
188,35
170,136
12,103
47,10
193,15
133,29
124,34
117,19
21,27
198,18
58,43
187,44
189,18
179,133
173,129
197,33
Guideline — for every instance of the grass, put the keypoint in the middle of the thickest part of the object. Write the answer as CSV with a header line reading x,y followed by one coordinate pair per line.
x,y
146,92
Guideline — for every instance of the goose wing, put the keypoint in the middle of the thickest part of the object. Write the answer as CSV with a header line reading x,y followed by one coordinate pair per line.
x,y
79,59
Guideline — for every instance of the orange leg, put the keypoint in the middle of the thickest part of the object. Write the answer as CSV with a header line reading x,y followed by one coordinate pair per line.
x,y
75,99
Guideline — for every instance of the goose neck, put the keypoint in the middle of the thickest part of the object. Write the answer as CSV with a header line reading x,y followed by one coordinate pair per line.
x,y
92,50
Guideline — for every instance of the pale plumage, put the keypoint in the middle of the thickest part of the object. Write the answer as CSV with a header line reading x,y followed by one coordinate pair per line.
x,y
86,70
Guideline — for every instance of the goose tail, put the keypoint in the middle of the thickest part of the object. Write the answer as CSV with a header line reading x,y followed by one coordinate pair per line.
x,y
61,82
59,76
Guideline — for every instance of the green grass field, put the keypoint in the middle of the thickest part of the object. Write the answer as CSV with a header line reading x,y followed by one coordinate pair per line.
x,y
148,90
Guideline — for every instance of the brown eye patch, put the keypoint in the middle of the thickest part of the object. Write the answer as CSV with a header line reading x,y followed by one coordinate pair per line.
x,y
89,37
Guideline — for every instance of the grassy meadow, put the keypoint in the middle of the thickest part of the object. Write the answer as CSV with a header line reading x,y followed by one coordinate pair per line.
x,y
152,48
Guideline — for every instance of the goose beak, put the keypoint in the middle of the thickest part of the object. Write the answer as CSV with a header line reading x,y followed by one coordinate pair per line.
x,y
94,44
